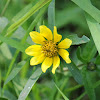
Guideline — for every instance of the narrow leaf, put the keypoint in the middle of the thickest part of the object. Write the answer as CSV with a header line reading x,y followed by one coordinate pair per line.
x,y
31,81
24,11
15,71
95,30
51,15
74,70
14,43
3,23
7,94
89,8
35,8
6,51
65,98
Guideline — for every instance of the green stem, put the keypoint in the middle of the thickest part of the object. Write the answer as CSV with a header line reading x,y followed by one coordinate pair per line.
x,y
73,88
81,96
61,88
6,5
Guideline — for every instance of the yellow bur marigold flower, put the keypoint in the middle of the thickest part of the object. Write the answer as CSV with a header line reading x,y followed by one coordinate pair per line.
x,y
48,49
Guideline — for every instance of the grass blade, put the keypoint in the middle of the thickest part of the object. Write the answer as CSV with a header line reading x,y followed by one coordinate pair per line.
x,y
24,39
74,70
15,71
61,92
14,43
35,21
35,8
31,81
89,8
6,5
51,15
95,30
24,11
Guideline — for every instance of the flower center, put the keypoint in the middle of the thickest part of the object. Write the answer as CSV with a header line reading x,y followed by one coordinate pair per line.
x,y
49,48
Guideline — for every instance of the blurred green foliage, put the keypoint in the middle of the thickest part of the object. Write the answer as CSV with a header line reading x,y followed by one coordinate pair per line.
x,y
76,19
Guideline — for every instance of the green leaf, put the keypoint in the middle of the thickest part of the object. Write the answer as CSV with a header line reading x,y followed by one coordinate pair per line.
x,y
97,60
95,30
35,8
89,51
74,70
35,21
3,23
15,71
14,43
83,94
79,54
5,8
76,40
88,84
9,95
31,81
19,15
25,37
51,15
6,51
3,98
73,88
19,33
24,11
65,98
67,15
89,8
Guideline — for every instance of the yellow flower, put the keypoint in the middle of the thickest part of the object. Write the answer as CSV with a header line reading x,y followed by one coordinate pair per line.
x,y
48,49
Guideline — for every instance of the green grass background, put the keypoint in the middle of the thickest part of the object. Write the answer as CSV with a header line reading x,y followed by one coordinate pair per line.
x,y
77,20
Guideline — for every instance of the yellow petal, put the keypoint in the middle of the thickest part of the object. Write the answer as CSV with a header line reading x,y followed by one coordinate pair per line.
x,y
46,32
57,37
65,55
46,64
33,50
37,37
37,60
56,62
65,44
